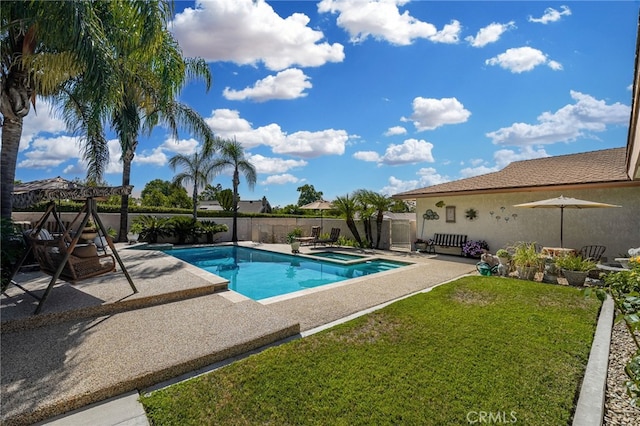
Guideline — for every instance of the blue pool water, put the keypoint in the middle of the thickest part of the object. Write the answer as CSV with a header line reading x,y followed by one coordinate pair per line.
x,y
259,274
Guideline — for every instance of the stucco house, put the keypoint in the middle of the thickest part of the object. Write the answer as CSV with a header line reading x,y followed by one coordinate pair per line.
x,y
482,207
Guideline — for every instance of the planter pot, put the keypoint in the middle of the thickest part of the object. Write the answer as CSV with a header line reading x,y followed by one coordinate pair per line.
x,y
132,237
421,246
504,261
88,234
575,278
624,261
295,247
527,272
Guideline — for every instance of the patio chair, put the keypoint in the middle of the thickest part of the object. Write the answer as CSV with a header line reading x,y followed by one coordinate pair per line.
x,y
315,235
333,238
593,252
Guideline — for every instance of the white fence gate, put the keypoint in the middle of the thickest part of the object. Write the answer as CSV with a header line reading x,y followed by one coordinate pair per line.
x,y
402,234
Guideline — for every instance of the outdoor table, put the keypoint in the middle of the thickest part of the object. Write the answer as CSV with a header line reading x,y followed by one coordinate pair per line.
x,y
557,251
305,239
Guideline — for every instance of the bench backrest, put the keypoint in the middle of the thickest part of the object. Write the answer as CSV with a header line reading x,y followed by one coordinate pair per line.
x,y
449,240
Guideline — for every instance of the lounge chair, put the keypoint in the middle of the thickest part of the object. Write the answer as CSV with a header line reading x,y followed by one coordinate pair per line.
x,y
333,238
592,252
315,234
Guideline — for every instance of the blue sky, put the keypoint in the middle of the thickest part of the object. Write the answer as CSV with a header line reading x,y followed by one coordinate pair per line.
x,y
382,95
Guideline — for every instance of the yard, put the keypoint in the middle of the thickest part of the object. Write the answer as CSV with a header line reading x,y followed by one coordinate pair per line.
x,y
506,349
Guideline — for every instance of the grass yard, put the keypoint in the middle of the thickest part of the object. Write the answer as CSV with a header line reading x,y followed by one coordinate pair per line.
x,y
515,350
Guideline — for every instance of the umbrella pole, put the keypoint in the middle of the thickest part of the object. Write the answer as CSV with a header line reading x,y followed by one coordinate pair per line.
x,y
561,223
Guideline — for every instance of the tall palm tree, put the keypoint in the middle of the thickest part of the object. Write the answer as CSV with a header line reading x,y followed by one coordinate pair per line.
x,y
42,45
347,208
198,170
148,78
232,155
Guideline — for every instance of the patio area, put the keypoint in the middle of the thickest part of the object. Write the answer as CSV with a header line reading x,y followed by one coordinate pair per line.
x,y
96,339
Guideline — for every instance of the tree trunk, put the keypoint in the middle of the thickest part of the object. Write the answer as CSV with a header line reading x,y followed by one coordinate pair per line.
x,y
127,159
236,183
354,230
14,106
195,202
11,133
379,220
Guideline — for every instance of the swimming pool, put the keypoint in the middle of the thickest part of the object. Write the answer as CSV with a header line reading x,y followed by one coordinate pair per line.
x,y
337,256
259,274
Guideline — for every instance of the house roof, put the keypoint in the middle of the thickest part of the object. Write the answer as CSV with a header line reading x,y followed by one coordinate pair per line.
x,y
596,167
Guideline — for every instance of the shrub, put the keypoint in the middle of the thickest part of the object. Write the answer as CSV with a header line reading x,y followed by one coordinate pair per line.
x,y
150,228
572,262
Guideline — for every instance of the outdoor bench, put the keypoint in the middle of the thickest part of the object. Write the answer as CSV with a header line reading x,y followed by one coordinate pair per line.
x,y
446,241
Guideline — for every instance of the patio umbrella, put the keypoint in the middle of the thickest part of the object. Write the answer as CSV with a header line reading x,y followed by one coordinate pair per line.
x,y
562,203
318,205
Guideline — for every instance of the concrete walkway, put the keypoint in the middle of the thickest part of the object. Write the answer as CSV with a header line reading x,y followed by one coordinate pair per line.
x,y
75,360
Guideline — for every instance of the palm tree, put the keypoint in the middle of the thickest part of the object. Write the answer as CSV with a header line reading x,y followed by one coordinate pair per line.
x,y
198,170
365,210
42,45
379,204
232,155
347,208
148,78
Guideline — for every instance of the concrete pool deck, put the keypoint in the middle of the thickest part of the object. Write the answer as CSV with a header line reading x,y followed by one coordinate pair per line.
x,y
100,341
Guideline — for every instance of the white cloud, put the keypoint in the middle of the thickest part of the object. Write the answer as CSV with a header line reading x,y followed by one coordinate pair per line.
x,y
228,124
476,171
567,124
490,34
270,165
551,15
156,157
250,31
50,152
42,120
184,146
369,156
280,179
383,21
429,114
288,84
520,59
502,158
411,151
427,176
396,130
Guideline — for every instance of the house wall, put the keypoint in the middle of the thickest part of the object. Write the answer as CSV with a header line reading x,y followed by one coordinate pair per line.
x,y
616,228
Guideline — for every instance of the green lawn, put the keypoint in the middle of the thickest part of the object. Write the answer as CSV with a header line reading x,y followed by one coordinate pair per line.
x,y
514,349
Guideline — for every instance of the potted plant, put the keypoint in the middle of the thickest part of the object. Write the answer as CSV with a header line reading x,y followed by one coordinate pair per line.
x,y
574,268
420,244
526,260
292,239
89,232
503,256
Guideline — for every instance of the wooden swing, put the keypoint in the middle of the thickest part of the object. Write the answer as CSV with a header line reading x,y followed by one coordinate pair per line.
x,y
63,258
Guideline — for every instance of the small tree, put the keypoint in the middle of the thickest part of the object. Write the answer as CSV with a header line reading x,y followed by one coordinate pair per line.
x,y
347,208
198,170
308,194
232,155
